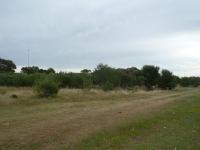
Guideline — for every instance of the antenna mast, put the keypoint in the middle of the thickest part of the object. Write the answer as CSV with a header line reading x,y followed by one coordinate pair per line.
x,y
28,57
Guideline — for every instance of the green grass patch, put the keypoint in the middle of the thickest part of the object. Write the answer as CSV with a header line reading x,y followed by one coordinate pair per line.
x,y
174,128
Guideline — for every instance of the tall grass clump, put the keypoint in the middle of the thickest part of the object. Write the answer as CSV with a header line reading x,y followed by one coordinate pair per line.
x,y
46,87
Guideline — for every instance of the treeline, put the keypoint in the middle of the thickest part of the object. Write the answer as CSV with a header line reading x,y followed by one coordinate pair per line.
x,y
103,76
190,81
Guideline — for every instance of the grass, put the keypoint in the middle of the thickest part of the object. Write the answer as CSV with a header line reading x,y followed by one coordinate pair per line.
x,y
93,119
175,128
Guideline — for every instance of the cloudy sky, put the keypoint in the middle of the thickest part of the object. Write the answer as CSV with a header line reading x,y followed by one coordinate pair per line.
x,y
76,34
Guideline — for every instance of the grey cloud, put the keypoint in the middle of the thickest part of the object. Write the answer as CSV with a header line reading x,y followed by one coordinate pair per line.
x,y
82,33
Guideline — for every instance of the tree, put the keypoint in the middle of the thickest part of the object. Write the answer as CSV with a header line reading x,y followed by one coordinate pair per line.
x,y
130,77
151,76
7,65
190,81
86,71
30,70
36,69
104,73
167,80
50,70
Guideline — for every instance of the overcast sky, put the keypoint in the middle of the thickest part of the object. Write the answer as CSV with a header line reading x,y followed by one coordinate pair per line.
x,y
76,34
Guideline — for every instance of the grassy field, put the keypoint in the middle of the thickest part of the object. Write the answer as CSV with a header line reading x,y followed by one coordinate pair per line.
x,y
89,120
177,127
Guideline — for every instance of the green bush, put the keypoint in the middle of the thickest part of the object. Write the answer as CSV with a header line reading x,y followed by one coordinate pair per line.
x,y
19,79
46,87
87,83
107,86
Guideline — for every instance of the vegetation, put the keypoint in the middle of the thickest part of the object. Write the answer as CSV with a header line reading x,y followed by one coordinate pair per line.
x,y
86,71
174,128
35,69
107,86
46,87
83,120
190,81
7,65
19,79
103,76
87,83
167,80
151,76
131,77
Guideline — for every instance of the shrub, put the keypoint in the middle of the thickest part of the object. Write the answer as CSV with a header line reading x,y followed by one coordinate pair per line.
x,y
14,96
107,86
19,79
46,87
87,83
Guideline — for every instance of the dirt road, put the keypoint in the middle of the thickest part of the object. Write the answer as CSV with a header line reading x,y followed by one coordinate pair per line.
x,y
50,125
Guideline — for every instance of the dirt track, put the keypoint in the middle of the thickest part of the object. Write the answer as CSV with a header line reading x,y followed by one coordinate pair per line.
x,y
67,124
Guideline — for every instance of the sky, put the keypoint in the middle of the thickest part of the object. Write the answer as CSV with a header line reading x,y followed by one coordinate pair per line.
x,y
75,34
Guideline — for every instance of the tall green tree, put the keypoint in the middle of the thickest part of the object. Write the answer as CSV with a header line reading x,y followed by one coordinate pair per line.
x,y
130,77
7,65
104,74
167,80
151,76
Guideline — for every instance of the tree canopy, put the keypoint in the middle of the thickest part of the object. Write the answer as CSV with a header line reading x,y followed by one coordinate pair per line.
x,y
35,69
167,80
7,65
103,76
151,76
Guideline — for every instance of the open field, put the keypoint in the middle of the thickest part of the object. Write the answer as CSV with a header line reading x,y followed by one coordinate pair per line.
x,y
81,119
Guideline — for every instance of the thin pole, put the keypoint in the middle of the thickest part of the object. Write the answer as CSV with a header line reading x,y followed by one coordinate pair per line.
x,y
28,57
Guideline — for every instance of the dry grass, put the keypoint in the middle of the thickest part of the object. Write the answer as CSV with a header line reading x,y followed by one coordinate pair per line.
x,y
28,122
